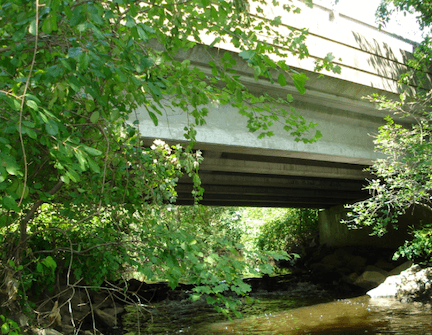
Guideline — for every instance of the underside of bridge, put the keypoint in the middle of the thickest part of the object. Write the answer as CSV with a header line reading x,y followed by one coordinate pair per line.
x,y
238,176
240,169
248,189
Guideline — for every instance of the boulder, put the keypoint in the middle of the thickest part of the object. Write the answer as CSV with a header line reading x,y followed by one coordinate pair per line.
x,y
388,289
356,264
370,279
400,268
373,268
413,284
385,265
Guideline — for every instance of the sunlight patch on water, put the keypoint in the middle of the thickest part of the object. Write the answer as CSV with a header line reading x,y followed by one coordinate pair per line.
x,y
350,316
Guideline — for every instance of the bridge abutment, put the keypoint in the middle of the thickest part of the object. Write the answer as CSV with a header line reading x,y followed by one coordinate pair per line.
x,y
336,234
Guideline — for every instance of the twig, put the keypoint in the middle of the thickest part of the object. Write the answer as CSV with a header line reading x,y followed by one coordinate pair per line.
x,y
91,309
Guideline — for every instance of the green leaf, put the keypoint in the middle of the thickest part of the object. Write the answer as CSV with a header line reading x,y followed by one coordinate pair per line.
x,y
121,75
290,98
154,89
81,160
49,262
11,166
32,104
84,60
247,54
281,79
51,127
32,28
39,267
74,52
74,82
94,117
93,166
9,203
19,34
73,175
142,34
76,16
257,72
47,27
300,82
16,105
130,22
92,151
3,174
30,132
216,40
153,117
5,328
65,179
96,18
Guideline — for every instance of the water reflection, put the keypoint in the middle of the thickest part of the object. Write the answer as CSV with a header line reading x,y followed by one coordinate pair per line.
x,y
351,316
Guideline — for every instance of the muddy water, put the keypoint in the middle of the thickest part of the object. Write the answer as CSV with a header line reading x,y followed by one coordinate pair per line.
x,y
351,316
281,315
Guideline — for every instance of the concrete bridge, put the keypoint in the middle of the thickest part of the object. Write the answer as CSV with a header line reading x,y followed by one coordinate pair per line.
x,y
241,170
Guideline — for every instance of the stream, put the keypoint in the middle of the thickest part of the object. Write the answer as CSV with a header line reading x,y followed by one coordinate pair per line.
x,y
293,315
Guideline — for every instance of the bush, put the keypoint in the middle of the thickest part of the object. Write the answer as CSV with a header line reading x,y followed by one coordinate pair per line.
x,y
419,249
290,231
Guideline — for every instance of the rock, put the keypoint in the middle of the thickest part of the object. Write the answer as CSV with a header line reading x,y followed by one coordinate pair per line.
x,y
370,279
401,268
413,284
388,289
356,264
351,278
382,264
373,268
107,319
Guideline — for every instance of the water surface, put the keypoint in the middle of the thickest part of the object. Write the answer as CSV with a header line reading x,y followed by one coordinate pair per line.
x,y
294,315
360,315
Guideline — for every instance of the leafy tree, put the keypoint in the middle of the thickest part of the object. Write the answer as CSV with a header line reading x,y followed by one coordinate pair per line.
x,y
403,178
75,179
421,8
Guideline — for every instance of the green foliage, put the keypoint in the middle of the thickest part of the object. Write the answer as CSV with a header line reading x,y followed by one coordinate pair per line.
x,y
202,247
423,10
80,195
403,177
419,249
288,231
9,326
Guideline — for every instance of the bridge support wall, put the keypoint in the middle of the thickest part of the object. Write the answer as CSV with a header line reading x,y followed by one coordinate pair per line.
x,y
336,234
